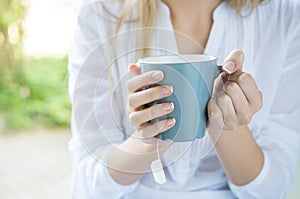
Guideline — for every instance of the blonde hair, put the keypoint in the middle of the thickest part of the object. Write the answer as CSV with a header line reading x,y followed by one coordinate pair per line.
x,y
147,10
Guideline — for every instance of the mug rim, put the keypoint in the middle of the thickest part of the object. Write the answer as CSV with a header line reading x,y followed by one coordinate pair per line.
x,y
176,59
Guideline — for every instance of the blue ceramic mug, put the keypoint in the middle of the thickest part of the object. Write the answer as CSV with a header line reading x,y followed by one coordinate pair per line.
x,y
192,77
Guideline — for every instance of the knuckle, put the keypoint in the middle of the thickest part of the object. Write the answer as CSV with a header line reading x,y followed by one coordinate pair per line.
x,y
245,77
129,86
133,119
131,101
230,87
245,118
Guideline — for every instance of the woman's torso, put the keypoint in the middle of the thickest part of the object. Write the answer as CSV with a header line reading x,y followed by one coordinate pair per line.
x,y
259,37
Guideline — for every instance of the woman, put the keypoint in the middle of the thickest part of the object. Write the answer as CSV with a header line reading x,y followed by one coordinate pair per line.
x,y
258,109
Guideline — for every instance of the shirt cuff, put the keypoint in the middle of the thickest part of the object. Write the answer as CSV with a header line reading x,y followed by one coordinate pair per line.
x,y
114,185
237,190
107,183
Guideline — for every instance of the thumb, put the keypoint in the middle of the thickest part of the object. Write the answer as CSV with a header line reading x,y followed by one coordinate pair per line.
x,y
134,69
233,62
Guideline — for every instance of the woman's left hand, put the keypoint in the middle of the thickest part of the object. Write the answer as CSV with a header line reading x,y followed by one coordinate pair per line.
x,y
235,98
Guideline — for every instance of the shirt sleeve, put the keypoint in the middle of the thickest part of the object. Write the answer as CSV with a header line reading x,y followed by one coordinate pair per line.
x,y
279,137
93,127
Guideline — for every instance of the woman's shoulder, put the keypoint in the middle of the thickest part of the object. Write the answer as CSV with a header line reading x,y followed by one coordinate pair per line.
x,y
289,11
108,3
107,9
290,4
98,16
279,8
289,8
286,9
281,16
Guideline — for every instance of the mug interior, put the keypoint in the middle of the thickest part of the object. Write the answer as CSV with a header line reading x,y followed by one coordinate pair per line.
x,y
177,59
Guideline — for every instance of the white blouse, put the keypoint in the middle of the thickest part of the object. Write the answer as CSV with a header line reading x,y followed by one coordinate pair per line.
x,y
270,38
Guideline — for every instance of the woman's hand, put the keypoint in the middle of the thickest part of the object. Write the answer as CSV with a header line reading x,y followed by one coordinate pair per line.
x,y
139,114
235,97
234,101
132,159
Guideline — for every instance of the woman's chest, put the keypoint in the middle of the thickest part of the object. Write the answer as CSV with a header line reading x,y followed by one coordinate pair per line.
x,y
191,38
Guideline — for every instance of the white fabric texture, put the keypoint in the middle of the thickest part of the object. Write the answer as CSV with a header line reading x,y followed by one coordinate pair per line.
x,y
270,38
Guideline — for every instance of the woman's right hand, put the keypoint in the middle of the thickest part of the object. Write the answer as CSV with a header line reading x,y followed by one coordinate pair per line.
x,y
141,115
135,155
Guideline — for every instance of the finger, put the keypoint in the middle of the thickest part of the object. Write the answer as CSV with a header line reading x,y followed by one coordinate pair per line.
x,y
233,62
249,88
153,130
224,103
134,69
146,96
139,117
215,116
219,84
141,81
239,101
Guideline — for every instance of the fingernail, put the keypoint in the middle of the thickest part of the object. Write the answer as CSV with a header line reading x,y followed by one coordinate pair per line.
x,y
171,122
131,67
229,66
167,90
157,75
168,107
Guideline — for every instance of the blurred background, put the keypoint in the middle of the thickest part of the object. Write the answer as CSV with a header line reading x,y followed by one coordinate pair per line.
x,y
34,105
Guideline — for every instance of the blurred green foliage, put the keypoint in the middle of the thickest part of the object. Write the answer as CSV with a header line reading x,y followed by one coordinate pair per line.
x,y
12,14
33,91
42,100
